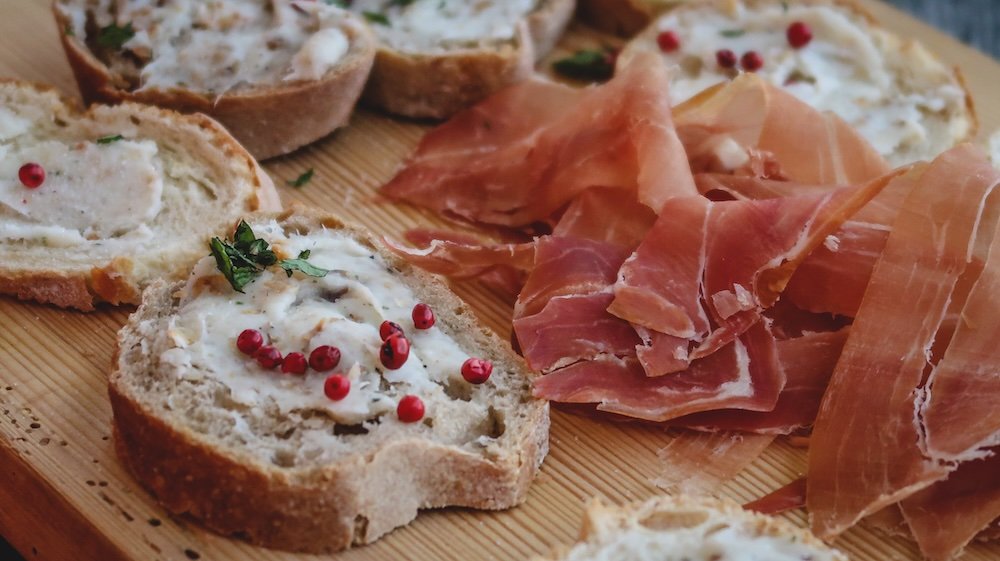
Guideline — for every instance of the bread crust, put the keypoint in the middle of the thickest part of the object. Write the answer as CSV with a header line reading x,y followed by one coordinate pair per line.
x,y
112,281
268,121
351,502
624,18
438,85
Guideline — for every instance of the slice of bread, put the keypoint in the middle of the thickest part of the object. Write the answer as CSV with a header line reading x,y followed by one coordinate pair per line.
x,y
905,101
278,75
687,528
623,17
437,57
266,456
130,193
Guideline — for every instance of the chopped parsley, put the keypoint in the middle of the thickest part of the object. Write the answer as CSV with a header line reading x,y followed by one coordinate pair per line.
x,y
588,64
732,33
244,258
301,180
113,37
376,17
109,139
68,30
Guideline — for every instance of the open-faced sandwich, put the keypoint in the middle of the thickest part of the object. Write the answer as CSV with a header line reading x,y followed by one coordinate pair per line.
x,y
278,74
306,390
94,206
908,104
436,57
686,528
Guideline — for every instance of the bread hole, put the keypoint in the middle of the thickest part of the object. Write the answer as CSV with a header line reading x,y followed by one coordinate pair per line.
x,y
715,529
59,122
429,422
360,530
673,520
341,430
494,425
283,457
135,120
458,389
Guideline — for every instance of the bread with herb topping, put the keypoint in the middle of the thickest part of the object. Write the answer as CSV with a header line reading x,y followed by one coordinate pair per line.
x,y
437,57
266,456
129,195
687,528
907,103
279,74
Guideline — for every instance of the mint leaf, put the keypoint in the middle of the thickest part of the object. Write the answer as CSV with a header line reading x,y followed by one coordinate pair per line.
x,y
113,37
301,180
301,265
376,17
588,64
109,139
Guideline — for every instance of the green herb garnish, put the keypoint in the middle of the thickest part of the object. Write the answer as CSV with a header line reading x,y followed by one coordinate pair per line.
x,y
401,2
68,30
731,33
109,139
339,3
588,64
113,37
245,257
376,17
302,179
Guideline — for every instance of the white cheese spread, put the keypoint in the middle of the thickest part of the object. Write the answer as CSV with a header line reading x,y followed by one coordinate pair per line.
x,y
91,191
845,69
215,46
344,309
426,25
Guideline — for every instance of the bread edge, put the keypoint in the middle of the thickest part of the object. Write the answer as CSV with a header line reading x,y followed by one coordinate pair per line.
x,y
269,508
268,121
438,85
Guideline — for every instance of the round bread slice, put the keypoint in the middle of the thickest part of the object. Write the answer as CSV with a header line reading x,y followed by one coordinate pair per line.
x,y
437,57
908,104
279,74
128,196
268,457
687,528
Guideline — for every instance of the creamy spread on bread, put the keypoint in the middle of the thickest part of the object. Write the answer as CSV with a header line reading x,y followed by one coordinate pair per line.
x,y
91,191
215,46
899,101
426,25
344,309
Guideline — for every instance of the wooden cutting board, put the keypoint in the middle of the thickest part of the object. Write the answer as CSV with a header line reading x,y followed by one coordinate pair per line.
x,y
64,496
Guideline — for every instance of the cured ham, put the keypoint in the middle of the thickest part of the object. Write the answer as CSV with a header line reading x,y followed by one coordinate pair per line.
x,y
743,375
808,362
701,462
719,125
730,259
945,517
789,497
523,154
853,472
605,215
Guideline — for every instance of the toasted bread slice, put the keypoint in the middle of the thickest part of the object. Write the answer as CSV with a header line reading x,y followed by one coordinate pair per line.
x,y
904,100
686,528
278,74
437,57
266,456
128,195
623,17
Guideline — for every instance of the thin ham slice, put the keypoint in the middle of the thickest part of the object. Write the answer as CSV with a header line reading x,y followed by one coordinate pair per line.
x,y
521,155
863,454
808,362
701,462
789,497
719,125
946,516
743,375
606,215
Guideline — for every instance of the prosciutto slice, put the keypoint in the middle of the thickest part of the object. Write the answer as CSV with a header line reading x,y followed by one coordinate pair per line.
x,y
789,497
808,362
945,517
863,454
743,375
701,462
606,215
720,125
523,154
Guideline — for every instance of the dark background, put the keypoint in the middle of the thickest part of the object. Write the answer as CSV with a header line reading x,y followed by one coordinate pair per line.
x,y
976,22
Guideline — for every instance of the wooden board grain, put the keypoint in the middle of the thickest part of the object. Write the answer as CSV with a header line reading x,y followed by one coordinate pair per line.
x,y
64,496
